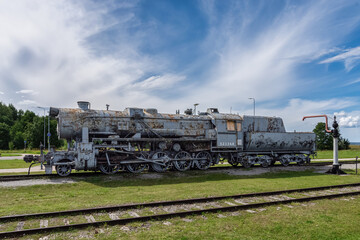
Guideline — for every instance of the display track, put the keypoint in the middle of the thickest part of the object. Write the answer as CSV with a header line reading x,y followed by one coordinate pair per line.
x,y
311,194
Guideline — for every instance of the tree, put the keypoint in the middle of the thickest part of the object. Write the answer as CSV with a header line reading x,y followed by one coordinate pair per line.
x,y
324,140
5,136
344,143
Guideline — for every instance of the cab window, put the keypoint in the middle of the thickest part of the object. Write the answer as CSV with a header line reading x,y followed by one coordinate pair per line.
x,y
238,127
230,126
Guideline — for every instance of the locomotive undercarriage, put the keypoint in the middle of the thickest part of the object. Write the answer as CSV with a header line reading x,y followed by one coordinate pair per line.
x,y
110,155
266,159
112,160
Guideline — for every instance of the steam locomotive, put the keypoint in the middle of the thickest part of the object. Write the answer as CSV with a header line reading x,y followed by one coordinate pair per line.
x,y
139,139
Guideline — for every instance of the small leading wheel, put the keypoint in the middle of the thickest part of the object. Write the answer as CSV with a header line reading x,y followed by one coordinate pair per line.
x,y
185,164
106,169
63,170
137,167
204,161
163,159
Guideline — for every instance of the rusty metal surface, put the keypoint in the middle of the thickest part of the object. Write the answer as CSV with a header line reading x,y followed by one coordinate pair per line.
x,y
265,141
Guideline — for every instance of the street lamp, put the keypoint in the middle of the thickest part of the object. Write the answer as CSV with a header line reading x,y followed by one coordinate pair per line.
x,y
42,160
49,134
254,104
44,124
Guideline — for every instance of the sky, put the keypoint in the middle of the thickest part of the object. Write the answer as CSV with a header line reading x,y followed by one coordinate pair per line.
x,y
295,58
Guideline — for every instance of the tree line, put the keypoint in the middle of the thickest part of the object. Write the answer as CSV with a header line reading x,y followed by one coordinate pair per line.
x,y
19,129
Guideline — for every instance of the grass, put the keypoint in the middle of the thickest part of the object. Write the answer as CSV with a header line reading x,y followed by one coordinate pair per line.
x,y
19,152
327,219
321,220
9,164
350,153
103,190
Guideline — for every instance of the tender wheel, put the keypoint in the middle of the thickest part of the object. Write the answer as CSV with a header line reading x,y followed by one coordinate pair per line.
x,y
301,163
106,169
137,167
185,164
265,161
284,162
246,164
63,170
233,160
163,159
205,161
265,164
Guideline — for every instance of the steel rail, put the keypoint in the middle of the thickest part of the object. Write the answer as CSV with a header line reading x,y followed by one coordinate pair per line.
x,y
170,215
4,178
173,202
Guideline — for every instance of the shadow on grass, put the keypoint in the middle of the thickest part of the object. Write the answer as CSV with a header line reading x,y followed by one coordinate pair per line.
x,y
174,177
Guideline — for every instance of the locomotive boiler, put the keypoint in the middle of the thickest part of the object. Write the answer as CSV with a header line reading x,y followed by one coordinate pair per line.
x,y
138,139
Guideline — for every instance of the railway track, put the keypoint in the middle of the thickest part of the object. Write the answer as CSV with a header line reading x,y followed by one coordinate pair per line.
x,y
86,174
142,212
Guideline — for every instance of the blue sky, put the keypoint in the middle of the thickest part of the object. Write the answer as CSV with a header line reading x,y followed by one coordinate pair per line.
x,y
295,58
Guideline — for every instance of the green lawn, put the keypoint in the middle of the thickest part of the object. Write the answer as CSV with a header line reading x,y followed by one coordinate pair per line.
x,y
301,222
18,152
125,188
326,219
10,154
351,153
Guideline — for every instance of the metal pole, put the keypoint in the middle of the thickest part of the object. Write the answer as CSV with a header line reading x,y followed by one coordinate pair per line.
x,y
336,147
253,103
44,124
49,132
42,158
356,163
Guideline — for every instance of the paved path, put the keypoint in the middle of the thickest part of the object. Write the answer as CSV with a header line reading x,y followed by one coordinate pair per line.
x,y
36,168
13,157
330,159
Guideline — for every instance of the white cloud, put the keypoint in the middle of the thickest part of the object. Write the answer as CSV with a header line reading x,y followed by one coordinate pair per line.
x,y
27,102
1,93
263,63
348,120
350,57
51,47
158,82
295,109
26,91
352,82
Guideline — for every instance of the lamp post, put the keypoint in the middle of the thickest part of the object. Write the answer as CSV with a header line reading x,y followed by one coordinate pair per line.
x,y
44,135
49,134
254,103
44,123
